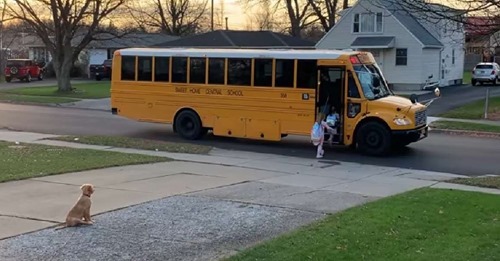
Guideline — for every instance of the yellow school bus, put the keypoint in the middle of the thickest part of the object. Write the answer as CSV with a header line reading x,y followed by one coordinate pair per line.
x,y
264,95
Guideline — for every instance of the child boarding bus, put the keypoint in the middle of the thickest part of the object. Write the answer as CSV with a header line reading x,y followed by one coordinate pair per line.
x,y
264,95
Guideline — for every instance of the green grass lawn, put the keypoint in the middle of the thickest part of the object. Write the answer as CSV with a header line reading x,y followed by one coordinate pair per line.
x,y
474,110
486,182
466,126
467,77
425,224
34,99
82,91
25,161
134,143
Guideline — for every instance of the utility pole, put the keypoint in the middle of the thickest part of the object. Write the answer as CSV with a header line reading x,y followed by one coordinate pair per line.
x,y
212,15
227,28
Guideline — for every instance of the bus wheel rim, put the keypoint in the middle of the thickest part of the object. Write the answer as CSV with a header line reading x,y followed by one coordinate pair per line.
x,y
373,139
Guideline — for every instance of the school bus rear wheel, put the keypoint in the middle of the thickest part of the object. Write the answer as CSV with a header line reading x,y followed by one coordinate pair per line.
x,y
188,125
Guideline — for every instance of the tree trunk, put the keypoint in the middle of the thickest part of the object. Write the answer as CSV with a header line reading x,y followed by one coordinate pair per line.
x,y
63,74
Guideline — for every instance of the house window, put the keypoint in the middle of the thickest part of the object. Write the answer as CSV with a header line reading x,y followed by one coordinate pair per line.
x,y
453,56
367,23
401,56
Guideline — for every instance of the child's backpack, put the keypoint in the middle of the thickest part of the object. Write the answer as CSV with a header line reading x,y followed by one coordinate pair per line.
x,y
316,133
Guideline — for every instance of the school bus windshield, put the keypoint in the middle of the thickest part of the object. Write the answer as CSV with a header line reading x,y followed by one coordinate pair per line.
x,y
372,81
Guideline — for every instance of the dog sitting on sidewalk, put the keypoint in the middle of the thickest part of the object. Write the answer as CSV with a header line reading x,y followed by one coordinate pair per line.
x,y
80,213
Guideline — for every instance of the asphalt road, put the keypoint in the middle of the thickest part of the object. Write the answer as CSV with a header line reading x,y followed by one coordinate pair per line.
x,y
439,152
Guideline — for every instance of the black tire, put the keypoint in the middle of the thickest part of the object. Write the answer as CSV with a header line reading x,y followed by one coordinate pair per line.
x,y
8,79
373,139
189,126
473,83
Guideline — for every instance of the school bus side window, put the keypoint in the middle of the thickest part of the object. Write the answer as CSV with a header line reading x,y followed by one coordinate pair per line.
x,y
128,68
179,69
145,69
307,74
162,66
352,90
197,70
284,73
216,68
239,71
263,73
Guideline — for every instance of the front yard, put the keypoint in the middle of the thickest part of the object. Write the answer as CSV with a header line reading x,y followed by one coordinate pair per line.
x,y
425,224
23,161
50,94
475,110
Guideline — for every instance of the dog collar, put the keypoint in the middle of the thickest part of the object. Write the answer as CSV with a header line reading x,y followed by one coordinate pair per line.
x,y
86,195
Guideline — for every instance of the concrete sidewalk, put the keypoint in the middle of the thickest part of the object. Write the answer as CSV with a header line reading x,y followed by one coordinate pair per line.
x,y
201,194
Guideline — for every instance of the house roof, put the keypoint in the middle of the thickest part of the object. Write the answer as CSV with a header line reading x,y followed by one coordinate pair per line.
x,y
130,40
240,39
108,41
373,42
411,23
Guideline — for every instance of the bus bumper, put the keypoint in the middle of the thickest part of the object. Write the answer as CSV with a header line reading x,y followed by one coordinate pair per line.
x,y
413,135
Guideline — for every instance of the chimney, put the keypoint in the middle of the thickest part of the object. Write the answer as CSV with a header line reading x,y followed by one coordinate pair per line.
x,y
226,24
346,4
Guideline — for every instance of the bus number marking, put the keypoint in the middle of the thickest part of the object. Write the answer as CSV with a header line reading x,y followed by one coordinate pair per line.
x,y
283,95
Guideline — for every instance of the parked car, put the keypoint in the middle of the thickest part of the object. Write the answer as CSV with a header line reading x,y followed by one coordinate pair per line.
x,y
23,69
100,71
485,72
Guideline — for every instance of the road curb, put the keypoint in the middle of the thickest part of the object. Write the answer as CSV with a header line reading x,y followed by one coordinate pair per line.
x,y
481,134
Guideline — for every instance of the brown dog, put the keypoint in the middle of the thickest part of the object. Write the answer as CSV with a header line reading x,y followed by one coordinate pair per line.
x,y
80,213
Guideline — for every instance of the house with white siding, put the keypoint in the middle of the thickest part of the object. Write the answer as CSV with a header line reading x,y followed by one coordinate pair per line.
x,y
413,50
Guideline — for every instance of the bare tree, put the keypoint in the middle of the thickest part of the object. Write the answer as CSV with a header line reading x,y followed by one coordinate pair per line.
x,y
219,16
298,12
262,16
326,11
66,28
172,17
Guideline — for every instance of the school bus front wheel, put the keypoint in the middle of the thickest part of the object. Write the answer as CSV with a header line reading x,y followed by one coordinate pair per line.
x,y
373,138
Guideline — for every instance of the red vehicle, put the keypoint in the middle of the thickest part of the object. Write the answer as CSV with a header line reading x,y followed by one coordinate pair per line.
x,y
22,69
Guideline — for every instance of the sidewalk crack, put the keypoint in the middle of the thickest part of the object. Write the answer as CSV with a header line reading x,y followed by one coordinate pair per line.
x,y
30,218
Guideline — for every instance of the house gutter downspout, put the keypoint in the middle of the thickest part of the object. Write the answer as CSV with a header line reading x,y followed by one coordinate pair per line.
x,y
440,66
